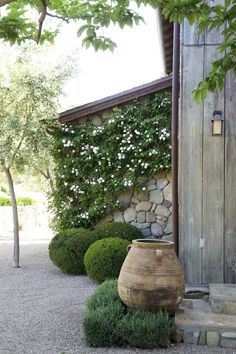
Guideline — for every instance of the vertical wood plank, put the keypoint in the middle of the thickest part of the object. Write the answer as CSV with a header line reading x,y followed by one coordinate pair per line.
x,y
230,179
190,165
213,186
214,37
190,35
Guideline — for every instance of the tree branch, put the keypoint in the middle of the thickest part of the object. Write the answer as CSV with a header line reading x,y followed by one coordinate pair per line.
x,y
5,2
41,19
67,20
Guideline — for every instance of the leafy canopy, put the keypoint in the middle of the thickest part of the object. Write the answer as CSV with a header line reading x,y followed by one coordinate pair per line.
x,y
28,98
93,16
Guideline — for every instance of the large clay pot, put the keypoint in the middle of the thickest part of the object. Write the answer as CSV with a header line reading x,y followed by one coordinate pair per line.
x,y
151,277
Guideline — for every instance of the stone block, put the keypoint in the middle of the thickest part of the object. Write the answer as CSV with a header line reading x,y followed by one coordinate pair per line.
x,y
156,229
168,238
168,228
96,120
141,217
223,298
153,207
161,183
104,220
152,187
146,232
161,220
162,211
141,196
159,175
130,215
167,204
119,216
191,336
151,182
150,217
134,200
142,226
106,114
212,338
228,340
202,338
143,206
156,196
168,192
126,196
82,120
177,336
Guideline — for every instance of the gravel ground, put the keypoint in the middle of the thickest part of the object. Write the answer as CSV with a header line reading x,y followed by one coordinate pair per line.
x,y
41,308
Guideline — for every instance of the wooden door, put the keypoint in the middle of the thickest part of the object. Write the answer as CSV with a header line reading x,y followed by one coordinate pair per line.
x,y
207,168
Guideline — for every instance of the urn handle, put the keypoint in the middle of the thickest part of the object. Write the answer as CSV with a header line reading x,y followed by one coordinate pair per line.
x,y
128,247
159,254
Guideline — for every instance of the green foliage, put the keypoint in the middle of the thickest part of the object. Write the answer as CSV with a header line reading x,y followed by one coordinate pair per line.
x,y
117,229
209,15
92,17
100,325
104,258
147,330
5,201
29,94
17,25
21,201
104,295
67,249
107,322
93,165
104,309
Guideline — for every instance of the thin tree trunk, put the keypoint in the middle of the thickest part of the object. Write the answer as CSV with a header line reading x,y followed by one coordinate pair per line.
x,y
16,255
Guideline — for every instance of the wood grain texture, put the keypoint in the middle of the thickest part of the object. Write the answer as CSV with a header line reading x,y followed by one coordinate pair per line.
x,y
190,165
213,185
230,179
214,37
190,36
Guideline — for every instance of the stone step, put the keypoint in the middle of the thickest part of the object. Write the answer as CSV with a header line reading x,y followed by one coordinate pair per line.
x,y
197,324
223,298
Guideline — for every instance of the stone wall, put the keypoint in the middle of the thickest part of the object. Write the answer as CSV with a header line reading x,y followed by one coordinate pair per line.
x,y
149,210
30,217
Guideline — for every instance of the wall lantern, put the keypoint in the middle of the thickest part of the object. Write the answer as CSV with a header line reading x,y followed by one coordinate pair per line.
x,y
217,123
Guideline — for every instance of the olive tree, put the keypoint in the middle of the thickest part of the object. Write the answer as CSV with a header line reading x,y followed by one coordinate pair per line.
x,y
28,107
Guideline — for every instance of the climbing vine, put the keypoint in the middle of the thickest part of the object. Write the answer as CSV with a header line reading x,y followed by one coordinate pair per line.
x,y
93,165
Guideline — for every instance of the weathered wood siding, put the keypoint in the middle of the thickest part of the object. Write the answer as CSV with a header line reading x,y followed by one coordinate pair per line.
x,y
207,168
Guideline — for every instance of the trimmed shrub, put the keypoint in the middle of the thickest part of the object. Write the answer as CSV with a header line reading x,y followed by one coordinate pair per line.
x,y
21,201
104,258
104,295
5,201
100,325
117,229
107,322
147,330
103,311
67,249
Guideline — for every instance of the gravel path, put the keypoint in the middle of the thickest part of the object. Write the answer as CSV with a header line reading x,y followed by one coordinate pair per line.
x,y
41,308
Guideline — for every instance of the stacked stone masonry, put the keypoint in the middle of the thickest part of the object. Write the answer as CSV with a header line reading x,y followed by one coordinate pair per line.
x,y
149,209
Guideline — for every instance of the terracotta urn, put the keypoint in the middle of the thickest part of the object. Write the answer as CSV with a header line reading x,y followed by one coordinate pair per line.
x,y
151,277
